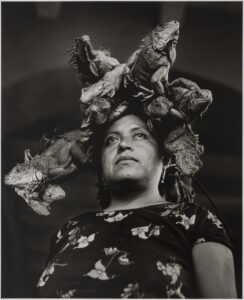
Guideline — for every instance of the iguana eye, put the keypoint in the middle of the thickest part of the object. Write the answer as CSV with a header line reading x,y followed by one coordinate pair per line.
x,y
18,169
160,45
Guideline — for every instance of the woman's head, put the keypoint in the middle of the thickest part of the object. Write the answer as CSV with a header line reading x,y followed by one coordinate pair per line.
x,y
130,154
124,136
128,151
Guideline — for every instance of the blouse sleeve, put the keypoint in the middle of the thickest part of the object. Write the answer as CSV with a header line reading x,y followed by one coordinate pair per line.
x,y
56,241
208,228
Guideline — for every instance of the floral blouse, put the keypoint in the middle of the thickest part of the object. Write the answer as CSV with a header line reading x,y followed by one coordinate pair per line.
x,y
135,253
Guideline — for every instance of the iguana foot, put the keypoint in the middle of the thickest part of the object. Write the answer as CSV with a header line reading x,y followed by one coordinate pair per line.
x,y
145,94
175,113
28,156
127,79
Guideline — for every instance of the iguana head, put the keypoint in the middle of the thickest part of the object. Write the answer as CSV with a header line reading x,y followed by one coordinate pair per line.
x,y
165,33
24,175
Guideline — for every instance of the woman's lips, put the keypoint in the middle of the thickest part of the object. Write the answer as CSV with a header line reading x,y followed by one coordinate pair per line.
x,y
124,159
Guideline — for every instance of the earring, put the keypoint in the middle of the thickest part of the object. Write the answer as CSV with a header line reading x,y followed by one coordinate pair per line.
x,y
165,168
103,182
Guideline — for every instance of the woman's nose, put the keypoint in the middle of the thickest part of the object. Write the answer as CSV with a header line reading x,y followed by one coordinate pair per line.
x,y
125,144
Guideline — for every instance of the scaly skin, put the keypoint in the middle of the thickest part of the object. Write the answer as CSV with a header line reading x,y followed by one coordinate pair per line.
x,y
105,87
184,146
158,108
149,66
31,179
188,98
90,64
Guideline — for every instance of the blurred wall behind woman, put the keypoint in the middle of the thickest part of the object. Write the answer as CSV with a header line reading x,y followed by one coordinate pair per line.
x,y
40,92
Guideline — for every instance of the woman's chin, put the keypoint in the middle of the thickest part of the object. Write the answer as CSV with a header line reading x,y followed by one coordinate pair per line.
x,y
127,179
127,175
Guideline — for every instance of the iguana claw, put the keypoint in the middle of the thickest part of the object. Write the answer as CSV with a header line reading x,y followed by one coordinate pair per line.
x,y
144,96
146,93
127,79
175,113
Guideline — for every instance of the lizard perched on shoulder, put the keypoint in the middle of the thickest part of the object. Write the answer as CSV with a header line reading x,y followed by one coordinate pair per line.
x,y
148,67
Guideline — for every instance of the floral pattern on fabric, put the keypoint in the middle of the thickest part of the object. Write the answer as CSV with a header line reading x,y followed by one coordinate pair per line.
x,y
199,241
186,221
47,273
117,218
113,216
77,240
132,290
146,255
171,209
175,292
105,213
111,250
84,241
155,231
71,223
144,233
59,236
173,271
170,269
140,231
99,272
66,294
176,211
214,220
124,260
74,235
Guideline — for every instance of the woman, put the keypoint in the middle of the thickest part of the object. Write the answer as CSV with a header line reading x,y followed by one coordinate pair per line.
x,y
150,239
140,244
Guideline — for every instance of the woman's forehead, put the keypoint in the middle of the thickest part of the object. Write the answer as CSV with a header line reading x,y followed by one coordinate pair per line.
x,y
127,123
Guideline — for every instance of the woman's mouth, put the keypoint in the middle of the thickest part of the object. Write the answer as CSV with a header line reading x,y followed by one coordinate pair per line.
x,y
125,159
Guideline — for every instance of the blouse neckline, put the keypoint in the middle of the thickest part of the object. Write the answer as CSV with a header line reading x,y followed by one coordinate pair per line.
x,y
130,209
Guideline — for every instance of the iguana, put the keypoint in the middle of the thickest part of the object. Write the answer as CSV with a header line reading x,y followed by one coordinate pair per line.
x,y
183,145
188,98
105,87
90,64
158,108
148,67
31,179
97,111
185,100
100,74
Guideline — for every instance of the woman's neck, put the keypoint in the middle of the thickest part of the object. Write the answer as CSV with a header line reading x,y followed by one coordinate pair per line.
x,y
135,200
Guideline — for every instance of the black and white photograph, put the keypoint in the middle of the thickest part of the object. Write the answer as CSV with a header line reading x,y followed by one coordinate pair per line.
x,y
121,149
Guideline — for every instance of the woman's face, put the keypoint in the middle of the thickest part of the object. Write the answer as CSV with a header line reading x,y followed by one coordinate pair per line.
x,y
130,152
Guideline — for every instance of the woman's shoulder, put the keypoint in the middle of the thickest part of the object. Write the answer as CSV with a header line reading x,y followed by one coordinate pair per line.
x,y
193,210
183,206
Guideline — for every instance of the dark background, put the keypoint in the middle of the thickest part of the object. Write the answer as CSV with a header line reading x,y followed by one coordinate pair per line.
x,y
40,92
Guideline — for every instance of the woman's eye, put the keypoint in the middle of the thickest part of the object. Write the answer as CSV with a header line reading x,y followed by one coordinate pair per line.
x,y
140,135
111,140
